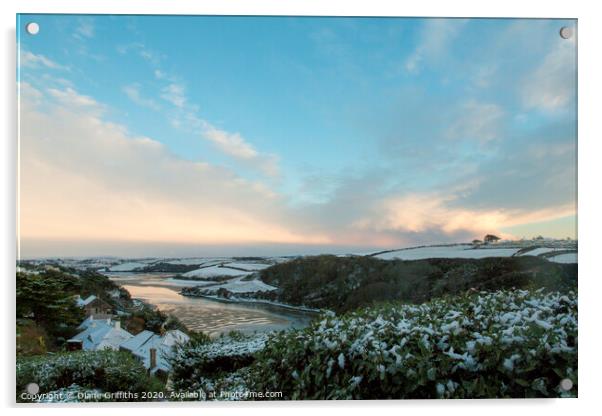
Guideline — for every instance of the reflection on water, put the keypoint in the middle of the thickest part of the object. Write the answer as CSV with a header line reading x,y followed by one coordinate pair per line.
x,y
206,315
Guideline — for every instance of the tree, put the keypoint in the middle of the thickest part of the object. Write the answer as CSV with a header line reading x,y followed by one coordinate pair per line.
x,y
48,300
490,238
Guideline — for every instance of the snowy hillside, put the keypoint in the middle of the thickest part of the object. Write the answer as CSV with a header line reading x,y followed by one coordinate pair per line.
x,y
567,251
214,271
464,251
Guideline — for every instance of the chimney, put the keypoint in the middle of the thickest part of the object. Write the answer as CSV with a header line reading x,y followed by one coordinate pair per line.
x,y
117,325
153,358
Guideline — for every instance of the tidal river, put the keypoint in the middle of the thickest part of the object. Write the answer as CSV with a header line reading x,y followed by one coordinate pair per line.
x,y
209,316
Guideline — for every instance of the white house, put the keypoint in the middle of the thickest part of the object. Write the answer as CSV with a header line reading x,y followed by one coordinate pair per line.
x,y
154,350
99,335
93,305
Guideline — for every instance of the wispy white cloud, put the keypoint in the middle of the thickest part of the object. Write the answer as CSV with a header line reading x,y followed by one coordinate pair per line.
x,y
174,93
232,144
32,60
436,36
84,178
476,121
85,29
552,85
69,96
141,50
133,93
235,145
484,75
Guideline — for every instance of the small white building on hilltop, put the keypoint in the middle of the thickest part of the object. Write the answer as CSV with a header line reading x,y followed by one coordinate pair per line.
x,y
99,335
154,350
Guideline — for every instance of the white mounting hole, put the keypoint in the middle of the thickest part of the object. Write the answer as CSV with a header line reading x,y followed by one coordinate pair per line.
x,y
32,28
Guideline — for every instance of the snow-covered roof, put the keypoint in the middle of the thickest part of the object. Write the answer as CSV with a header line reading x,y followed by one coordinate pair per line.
x,y
96,320
164,347
102,335
83,302
137,341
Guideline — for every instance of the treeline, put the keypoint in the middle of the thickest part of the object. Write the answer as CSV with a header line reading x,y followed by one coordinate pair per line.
x,y
346,283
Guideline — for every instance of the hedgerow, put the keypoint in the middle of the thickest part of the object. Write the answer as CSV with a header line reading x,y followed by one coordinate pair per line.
x,y
480,345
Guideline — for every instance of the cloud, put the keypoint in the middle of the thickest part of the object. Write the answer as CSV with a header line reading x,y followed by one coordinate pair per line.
x,y
417,213
85,29
142,50
484,75
436,36
552,85
532,171
69,96
31,60
174,93
229,143
133,93
235,145
84,178
186,116
477,121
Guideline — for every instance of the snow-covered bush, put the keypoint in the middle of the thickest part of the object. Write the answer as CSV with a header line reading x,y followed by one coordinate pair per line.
x,y
487,344
199,365
109,371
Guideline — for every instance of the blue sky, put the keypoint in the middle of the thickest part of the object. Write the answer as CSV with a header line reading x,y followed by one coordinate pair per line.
x,y
343,132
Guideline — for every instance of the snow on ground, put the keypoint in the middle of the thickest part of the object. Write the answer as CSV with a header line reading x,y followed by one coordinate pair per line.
x,y
238,285
539,251
127,267
247,266
214,271
205,261
564,258
464,251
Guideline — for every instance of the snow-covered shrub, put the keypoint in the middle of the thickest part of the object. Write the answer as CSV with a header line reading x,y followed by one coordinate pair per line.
x,y
197,365
487,344
109,371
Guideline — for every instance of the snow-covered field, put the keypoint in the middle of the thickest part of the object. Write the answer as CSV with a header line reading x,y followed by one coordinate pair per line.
x,y
210,267
464,251
469,251
247,266
127,267
238,285
196,260
564,258
214,271
539,251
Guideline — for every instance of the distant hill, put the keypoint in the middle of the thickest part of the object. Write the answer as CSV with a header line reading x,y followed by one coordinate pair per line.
x,y
345,283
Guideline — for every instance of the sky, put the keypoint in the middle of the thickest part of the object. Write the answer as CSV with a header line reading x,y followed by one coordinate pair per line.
x,y
208,135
